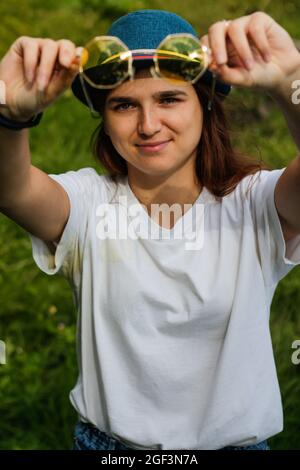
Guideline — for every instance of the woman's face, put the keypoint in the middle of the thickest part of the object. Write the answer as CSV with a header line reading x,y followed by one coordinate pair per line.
x,y
148,111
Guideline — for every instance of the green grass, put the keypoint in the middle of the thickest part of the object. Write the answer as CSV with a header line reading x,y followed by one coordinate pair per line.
x,y
37,315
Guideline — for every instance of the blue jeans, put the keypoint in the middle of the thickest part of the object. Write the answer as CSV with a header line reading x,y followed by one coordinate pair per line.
x,y
87,437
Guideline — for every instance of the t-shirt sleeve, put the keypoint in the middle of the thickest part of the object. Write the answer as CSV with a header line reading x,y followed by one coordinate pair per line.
x,y
78,185
277,257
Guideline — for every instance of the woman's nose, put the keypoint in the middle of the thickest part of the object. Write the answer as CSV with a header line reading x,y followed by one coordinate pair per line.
x,y
149,122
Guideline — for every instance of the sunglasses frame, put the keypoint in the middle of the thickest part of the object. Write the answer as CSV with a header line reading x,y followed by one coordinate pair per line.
x,y
154,70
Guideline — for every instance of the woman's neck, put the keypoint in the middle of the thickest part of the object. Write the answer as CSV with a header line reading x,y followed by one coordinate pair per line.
x,y
180,190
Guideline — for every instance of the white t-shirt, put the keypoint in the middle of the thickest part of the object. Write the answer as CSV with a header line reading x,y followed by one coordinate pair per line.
x,y
174,347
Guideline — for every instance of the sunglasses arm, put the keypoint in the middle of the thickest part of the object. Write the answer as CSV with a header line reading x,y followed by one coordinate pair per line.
x,y
212,91
94,113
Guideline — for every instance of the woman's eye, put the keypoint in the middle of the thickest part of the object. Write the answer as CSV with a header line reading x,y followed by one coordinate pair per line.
x,y
122,106
169,100
127,106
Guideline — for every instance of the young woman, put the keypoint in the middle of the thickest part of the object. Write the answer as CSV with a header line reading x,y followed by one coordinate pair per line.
x,y
174,347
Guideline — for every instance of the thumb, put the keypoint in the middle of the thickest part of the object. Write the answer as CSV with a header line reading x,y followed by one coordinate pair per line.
x,y
204,40
211,61
69,73
63,77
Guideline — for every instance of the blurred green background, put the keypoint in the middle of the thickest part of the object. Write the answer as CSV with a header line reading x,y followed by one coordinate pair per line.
x,y
37,315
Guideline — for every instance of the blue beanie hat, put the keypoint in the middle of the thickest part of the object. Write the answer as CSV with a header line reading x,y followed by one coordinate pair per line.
x,y
145,29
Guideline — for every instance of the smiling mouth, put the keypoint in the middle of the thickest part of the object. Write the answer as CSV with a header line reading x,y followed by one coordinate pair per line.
x,y
155,147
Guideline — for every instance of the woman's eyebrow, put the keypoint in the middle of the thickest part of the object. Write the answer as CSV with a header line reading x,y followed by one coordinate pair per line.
x,y
160,94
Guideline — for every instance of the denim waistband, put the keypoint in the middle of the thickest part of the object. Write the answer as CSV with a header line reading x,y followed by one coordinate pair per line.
x,y
89,437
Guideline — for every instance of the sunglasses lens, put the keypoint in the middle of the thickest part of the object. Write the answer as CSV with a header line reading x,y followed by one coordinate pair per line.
x,y
181,58
105,62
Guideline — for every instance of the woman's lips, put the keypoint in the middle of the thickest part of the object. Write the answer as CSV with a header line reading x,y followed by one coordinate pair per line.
x,y
150,148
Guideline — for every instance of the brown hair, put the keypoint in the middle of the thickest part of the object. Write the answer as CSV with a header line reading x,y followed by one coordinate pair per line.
x,y
218,166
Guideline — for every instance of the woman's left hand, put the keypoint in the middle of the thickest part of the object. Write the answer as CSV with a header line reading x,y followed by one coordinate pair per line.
x,y
257,38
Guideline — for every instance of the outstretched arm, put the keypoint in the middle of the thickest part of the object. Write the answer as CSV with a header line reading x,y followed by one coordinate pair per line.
x,y
254,51
287,96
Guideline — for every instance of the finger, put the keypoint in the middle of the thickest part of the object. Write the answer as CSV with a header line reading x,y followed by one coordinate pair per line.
x,y
211,60
31,51
67,76
216,37
237,33
257,31
66,52
2,93
60,81
204,40
236,76
78,55
48,59
27,49
62,76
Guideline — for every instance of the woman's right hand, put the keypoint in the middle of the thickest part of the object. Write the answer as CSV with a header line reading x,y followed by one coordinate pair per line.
x,y
36,72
